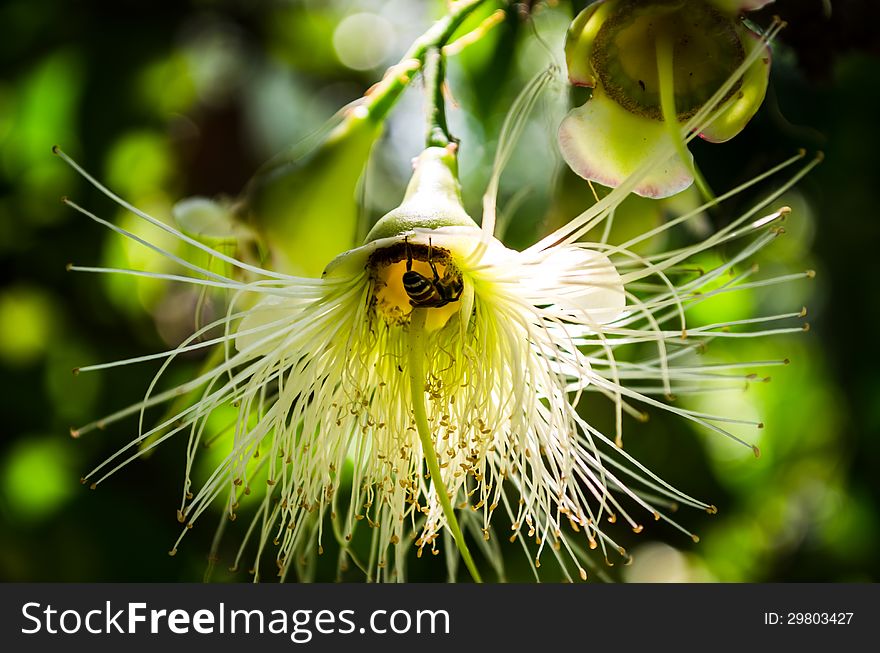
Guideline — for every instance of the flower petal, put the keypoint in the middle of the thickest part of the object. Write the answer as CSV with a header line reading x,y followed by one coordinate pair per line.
x,y
578,281
579,41
739,109
601,141
739,6
460,240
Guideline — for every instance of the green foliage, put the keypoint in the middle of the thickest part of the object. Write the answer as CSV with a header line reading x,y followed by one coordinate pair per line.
x,y
151,119
308,206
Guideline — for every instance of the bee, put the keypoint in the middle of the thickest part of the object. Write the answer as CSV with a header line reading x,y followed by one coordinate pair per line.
x,y
430,293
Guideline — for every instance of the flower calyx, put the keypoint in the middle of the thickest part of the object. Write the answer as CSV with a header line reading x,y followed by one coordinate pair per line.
x,y
649,60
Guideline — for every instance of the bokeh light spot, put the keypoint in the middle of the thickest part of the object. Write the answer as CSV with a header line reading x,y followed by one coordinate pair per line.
x,y
139,161
656,562
26,319
37,478
363,41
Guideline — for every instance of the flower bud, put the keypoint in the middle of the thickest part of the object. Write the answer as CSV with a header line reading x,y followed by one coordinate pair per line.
x,y
432,199
213,223
620,49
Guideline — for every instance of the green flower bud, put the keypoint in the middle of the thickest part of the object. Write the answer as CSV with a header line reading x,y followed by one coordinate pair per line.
x,y
213,223
432,199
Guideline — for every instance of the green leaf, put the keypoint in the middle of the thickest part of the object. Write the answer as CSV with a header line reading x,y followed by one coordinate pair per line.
x,y
307,206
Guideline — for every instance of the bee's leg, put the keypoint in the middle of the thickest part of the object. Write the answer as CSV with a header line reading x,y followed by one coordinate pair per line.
x,y
408,254
431,261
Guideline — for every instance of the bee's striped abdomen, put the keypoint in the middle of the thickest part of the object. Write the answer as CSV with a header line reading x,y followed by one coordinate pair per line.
x,y
418,287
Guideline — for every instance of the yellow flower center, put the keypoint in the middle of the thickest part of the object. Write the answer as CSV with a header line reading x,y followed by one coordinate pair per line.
x,y
394,301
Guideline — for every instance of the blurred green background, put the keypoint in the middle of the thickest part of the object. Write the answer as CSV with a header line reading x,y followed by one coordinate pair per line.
x,y
163,101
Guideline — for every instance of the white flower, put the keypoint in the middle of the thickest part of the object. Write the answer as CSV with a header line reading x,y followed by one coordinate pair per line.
x,y
338,383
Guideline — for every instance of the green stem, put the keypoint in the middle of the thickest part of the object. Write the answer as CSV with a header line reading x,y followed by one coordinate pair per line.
x,y
670,115
416,368
381,98
385,93
438,131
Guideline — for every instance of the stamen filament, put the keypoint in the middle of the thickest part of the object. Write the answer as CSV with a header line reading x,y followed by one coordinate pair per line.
x,y
670,115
